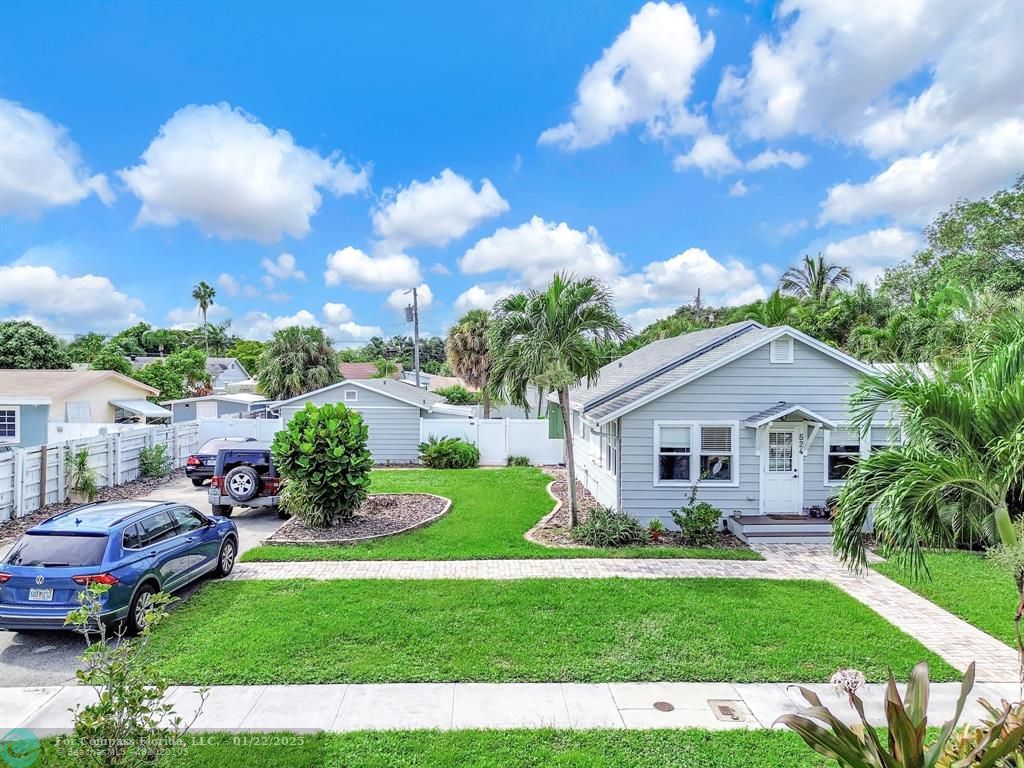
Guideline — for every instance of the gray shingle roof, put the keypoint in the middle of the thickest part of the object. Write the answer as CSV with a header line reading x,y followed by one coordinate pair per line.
x,y
397,388
627,376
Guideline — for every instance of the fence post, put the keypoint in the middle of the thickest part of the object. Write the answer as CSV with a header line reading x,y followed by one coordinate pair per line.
x,y
43,449
62,491
111,465
174,445
19,482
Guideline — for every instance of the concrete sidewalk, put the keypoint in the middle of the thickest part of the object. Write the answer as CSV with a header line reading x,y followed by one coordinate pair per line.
x,y
451,706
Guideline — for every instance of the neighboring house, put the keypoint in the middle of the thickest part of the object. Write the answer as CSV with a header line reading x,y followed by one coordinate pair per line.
x,y
390,408
222,370
761,414
238,404
31,400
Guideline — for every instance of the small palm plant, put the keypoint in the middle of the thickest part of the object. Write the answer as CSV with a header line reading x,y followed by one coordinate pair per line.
x,y
81,477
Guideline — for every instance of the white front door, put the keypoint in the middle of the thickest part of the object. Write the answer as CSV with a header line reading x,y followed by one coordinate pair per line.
x,y
781,464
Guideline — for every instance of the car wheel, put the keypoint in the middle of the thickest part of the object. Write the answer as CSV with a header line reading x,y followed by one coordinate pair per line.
x,y
221,510
226,558
197,481
242,483
141,603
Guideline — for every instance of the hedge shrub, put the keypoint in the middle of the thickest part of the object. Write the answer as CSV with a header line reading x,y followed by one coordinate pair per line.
x,y
449,453
322,450
607,528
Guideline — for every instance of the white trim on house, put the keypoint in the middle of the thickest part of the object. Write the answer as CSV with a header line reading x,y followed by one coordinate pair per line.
x,y
27,400
355,383
782,331
799,431
807,412
695,454
16,410
775,355
354,398
863,451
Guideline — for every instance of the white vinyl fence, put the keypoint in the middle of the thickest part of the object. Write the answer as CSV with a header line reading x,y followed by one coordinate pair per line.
x,y
34,477
498,439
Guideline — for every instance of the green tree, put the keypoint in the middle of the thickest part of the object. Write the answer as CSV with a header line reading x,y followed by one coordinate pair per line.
x,y
976,244
130,339
85,347
160,340
111,358
958,474
814,278
297,360
181,374
27,345
550,336
777,309
203,294
469,353
247,353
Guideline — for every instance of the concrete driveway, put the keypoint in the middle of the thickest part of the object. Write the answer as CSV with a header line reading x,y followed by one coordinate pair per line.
x,y
51,658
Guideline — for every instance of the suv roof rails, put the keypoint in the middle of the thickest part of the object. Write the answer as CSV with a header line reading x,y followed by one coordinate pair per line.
x,y
150,504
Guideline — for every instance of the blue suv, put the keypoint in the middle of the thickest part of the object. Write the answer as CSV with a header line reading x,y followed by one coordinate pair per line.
x,y
138,548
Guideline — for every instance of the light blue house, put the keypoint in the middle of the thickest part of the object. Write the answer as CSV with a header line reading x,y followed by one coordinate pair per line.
x,y
761,414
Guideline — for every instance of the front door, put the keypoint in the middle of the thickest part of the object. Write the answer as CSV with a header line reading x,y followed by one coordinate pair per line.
x,y
781,468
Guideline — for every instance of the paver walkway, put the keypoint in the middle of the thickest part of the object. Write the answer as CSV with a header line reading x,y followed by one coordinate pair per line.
x,y
958,642
46,711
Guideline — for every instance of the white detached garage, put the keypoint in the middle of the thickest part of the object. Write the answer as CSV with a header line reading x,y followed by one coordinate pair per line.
x,y
391,410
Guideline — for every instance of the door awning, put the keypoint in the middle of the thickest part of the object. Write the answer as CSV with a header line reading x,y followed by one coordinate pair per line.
x,y
781,410
143,408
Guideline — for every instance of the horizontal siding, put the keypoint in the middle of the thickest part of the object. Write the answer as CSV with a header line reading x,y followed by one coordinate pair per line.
x,y
733,393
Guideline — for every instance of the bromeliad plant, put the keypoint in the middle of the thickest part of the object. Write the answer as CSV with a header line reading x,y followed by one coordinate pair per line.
x,y
994,746
323,451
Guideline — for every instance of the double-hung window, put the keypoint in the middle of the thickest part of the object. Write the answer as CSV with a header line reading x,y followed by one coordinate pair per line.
x,y
689,452
610,441
673,452
843,452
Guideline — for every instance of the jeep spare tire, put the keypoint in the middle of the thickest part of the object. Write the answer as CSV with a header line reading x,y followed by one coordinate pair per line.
x,y
242,483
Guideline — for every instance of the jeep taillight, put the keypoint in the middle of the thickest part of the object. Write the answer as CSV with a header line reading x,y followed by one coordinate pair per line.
x,y
272,485
217,482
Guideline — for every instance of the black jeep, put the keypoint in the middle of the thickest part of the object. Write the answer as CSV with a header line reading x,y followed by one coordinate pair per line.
x,y
244,476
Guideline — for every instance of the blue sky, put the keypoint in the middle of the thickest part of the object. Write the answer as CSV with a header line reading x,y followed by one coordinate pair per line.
x,y
310,160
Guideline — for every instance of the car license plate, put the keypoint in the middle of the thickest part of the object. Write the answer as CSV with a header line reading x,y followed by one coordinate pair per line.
x,y
40,594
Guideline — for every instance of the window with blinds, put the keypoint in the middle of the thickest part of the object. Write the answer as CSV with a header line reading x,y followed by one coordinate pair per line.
x,y
843,453
673,453
716,453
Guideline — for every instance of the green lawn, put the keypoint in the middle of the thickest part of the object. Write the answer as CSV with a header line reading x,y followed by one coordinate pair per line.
x,y
491,510
540,630
967,585
490,749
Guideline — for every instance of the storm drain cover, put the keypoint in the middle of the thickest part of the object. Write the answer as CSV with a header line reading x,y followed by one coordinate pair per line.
x,y
663,706
727,710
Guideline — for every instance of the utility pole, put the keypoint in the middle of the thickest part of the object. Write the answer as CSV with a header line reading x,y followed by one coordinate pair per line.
x,y
413,313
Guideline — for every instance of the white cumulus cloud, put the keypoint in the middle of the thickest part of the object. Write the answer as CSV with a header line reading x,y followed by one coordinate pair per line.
x,y
400,298
645,76
66,303
40,166
773,157
234,177
435,212
284,267
353,332
710,153
678,278
739,189
482,296
336,313
353,267
868,255
537,249
261,325
913,189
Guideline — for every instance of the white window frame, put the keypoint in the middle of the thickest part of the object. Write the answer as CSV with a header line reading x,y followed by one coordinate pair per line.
x,y
354,395
77,404
695,453
863,450
16,437
773,351
610,447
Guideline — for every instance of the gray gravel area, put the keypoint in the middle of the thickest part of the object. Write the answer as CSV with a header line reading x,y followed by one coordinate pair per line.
x,y
382,514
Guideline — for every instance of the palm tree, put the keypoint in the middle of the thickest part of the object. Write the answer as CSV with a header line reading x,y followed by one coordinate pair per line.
x,y
469,354
960,468
295,361
814,279
203,294
777,309
549,336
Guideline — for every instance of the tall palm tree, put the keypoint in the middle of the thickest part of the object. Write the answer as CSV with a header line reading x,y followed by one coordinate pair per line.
x,y
295,361
203,294
777,309
960,471
814,279
469,354
549,336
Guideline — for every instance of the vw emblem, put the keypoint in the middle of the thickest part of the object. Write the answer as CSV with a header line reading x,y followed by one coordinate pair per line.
x,y
40,579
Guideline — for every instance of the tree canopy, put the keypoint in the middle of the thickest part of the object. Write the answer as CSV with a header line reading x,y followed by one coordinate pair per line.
x,y
27,345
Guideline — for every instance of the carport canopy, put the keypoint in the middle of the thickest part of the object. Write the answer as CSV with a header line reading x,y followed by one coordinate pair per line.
x,y
143,408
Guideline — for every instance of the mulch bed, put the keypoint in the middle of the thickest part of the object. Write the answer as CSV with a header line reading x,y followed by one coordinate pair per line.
x,y
13,528
382,514
554,530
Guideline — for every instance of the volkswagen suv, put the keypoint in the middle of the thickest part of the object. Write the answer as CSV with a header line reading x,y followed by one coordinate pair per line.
x,y
137,548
